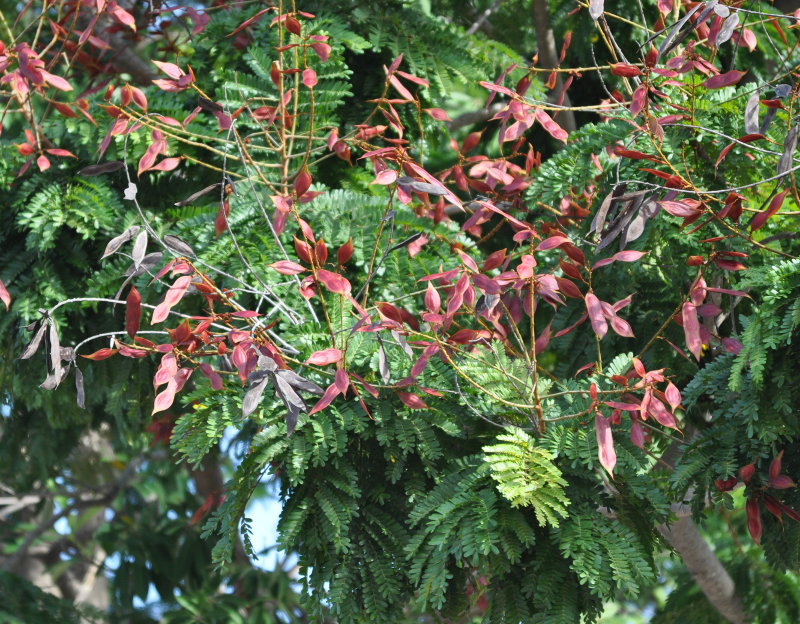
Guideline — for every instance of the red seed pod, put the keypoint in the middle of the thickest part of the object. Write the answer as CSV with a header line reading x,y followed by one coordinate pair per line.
x,y
125,95
101,354
782,482
345,252
773,506
570,269
746,472
470,142
221,221
651,57
308,233
494,260
303,250
726,485
302,182
624,70
568,288
293,26
275,73
775,467
133,312
433,301
754,519
321,252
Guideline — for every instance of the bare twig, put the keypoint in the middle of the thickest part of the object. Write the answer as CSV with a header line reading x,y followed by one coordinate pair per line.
x,y
475,117
483,17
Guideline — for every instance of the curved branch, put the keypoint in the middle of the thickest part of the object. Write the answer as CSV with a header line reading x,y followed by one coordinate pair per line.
x,y
475,117
705,568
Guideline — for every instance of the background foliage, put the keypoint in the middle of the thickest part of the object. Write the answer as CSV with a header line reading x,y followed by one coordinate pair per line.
x,y
476,483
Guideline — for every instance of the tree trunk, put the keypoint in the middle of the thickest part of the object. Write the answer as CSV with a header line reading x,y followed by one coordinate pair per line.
x,y
705,568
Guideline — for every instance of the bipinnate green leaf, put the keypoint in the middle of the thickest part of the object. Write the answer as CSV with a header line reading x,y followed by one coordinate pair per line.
x,y
527,477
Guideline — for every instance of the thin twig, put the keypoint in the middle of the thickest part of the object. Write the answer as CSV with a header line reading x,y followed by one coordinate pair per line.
x,y
483,17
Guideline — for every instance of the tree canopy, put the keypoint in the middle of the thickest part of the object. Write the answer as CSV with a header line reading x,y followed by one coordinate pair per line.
x,y
499,298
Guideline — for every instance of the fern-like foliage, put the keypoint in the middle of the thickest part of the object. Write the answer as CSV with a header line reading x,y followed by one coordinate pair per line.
x,y
603,551
753,389
526,476
773,326
393,510
572,169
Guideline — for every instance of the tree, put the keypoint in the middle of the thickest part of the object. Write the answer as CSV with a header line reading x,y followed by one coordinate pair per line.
x,y
493,377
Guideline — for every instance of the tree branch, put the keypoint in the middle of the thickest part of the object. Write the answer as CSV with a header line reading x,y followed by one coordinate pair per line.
x,y
124,57
475,117
548,58
483,17
80,501
706,568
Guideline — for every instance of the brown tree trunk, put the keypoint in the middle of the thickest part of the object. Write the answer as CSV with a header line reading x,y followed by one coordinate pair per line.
x,y
705,568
